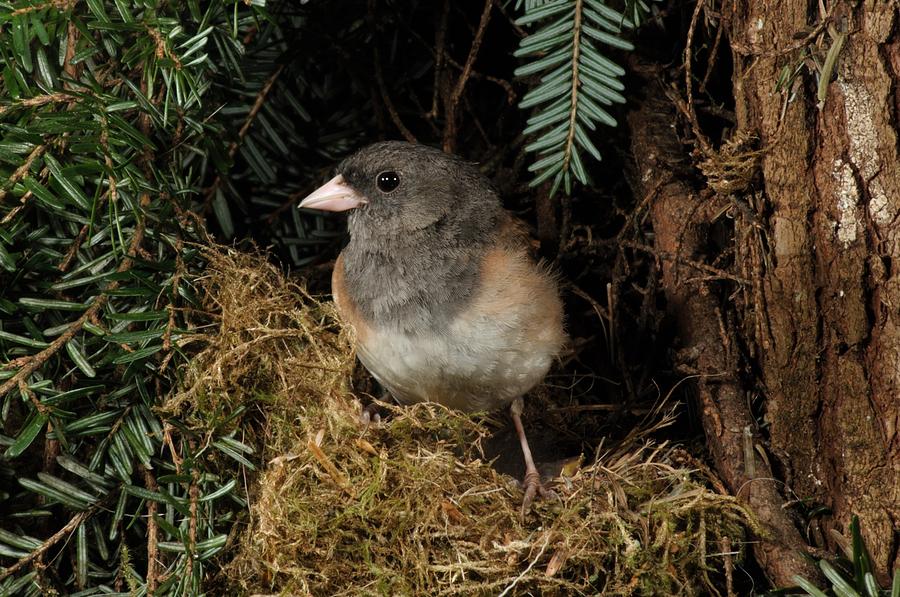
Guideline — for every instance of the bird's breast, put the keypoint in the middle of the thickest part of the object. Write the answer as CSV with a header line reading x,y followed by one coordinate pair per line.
x,y
495,347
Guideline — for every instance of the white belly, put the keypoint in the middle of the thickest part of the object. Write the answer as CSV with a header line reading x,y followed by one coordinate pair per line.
x,y
475,365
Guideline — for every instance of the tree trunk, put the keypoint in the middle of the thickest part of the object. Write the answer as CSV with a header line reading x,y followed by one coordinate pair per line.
x,y
815,243
827,327
681,222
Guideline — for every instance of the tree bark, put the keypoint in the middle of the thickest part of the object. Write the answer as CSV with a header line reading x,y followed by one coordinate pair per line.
x,y
827,327
812,311
681,220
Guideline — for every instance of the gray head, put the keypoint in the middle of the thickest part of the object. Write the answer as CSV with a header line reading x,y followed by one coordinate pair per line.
x,y
399,190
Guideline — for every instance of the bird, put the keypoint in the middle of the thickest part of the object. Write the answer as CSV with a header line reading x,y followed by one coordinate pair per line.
x,y
439,285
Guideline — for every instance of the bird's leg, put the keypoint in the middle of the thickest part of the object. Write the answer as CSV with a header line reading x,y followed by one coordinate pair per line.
x,y
532,482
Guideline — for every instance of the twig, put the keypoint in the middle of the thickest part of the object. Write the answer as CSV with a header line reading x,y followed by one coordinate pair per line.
x,y
506,85
451,107
379,77
439,36
73,524
58,4
602,314
14,211
683,261
520,31
388,104
619,407
113,193
257,106
339,478
152,534
194,493
42,408
473,51
107,157
66,263
614,330
51,453
38,100
22,170
729,566
242,133
69,66
511,94
688,82
167,439
635,218
32,363
170,326
162,49
711,63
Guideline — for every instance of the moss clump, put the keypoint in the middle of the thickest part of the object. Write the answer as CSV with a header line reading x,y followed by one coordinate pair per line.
x,y
412,507
731,169
265,336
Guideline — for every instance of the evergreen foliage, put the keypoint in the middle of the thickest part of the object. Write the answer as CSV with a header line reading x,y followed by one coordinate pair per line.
x,y
290,109
576,81
105,139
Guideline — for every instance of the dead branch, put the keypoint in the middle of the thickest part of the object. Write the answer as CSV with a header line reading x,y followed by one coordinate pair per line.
x,y
715,273
440,36
680,229
689,83
388,103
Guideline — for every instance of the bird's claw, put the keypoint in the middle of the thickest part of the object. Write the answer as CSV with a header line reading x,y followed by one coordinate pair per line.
x,y
534,488
369,415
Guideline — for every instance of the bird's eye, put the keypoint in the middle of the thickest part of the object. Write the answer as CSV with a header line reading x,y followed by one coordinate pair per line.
x,y
387,181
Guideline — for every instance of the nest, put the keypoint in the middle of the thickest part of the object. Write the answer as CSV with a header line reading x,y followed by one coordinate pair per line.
x,y
731,169
412,507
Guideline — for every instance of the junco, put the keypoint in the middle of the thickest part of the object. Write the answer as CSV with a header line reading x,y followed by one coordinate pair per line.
x,y
437,280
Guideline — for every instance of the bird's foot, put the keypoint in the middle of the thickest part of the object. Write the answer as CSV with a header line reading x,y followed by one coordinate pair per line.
x,y
534,488
370,414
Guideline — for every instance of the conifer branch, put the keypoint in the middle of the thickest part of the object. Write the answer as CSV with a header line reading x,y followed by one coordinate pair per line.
x,y
576,81
58,536
33,362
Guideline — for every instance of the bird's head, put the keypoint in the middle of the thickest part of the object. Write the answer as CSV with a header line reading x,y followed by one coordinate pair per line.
x,y
394,188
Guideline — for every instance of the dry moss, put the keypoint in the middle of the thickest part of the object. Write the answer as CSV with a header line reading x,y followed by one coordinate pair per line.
x,y
411,507
731,169
267,336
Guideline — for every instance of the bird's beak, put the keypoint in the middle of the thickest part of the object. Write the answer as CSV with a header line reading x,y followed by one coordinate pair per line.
x,y
334,195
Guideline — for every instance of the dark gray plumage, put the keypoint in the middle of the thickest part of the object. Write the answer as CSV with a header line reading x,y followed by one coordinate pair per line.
x,y
414,254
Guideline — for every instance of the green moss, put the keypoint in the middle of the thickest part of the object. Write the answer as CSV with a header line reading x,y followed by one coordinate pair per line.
x,y
412,507
420,513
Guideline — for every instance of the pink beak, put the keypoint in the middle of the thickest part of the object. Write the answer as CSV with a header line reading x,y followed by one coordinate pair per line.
x,y
334,195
